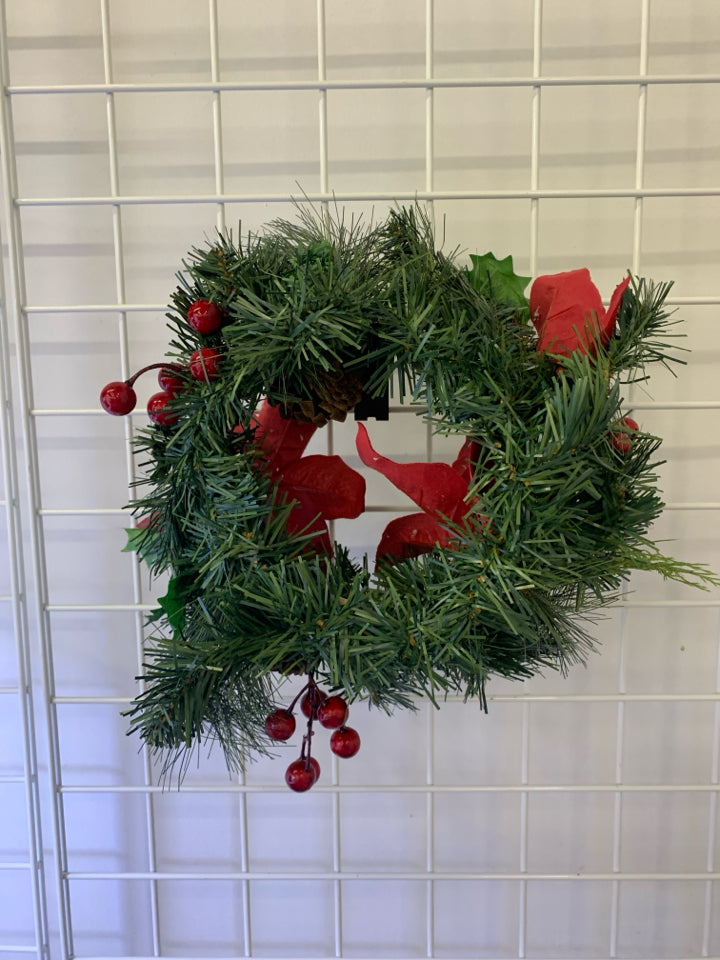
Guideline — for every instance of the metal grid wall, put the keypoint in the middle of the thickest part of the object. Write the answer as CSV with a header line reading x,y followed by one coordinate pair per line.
x,y
610,908
22,865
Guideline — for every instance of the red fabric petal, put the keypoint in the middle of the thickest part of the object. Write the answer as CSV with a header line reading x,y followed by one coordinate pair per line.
x,y
565,307
467,459
435,487
411,536
325,485
614,308
305,522
281,440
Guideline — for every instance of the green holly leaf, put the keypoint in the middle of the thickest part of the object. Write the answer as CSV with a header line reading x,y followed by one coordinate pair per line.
x,y
497,280
173,604
145,542
134,538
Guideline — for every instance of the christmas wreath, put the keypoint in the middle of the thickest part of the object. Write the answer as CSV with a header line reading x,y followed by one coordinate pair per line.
x,y
515,546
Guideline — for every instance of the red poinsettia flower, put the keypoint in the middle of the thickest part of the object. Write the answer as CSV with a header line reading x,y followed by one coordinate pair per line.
x,y
568,312
323,487
440,490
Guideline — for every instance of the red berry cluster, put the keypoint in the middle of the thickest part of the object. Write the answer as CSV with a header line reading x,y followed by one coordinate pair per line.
x,y
623,441
331,713
119,398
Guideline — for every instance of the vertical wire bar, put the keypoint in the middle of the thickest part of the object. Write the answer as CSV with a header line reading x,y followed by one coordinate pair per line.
x,y
129,436
337,861
712,818
18,600
640,140
330,438
218,155
430,718
322,100
430,829
524,768
534,240
217,114
324,173
16,267
429,150
430,108
535,141
617,802
636,256
244,868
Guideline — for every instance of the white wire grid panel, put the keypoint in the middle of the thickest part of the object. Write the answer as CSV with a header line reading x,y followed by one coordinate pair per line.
x,y
579,819
21,868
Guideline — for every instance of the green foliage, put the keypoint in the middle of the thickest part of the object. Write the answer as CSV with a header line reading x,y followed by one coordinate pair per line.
x,y
174,603
497,280
561,515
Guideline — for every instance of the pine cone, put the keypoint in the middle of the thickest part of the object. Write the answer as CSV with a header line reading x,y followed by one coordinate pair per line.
x,y
334,393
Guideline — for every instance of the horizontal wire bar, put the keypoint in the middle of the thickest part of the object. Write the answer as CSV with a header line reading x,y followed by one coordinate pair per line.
x,y
134,607
662,604
86,700
691,301
9,690
152,307
693,505
499,698
389,83
239,788
675,405
112,308
630,193
356,956
370,508
7,778
378,876
10,948
82,512
74,607
81,412
415,410
118,511
15,865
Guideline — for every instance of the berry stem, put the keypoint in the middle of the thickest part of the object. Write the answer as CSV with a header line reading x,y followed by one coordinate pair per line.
x,y
292,705
306,750
153,366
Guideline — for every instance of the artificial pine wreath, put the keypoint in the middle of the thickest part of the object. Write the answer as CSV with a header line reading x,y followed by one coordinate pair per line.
x,y
516,546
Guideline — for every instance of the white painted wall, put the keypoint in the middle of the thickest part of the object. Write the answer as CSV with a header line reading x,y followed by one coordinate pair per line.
x,y
524,846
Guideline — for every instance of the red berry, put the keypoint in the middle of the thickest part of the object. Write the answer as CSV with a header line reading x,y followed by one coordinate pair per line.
x,y
118,398
158,412
300,775
280,725
621,441
170,381
345,742
205,363
204,316
311,702
333,712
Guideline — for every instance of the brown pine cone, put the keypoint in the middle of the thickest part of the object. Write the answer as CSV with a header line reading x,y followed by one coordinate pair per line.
x,y
334,394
